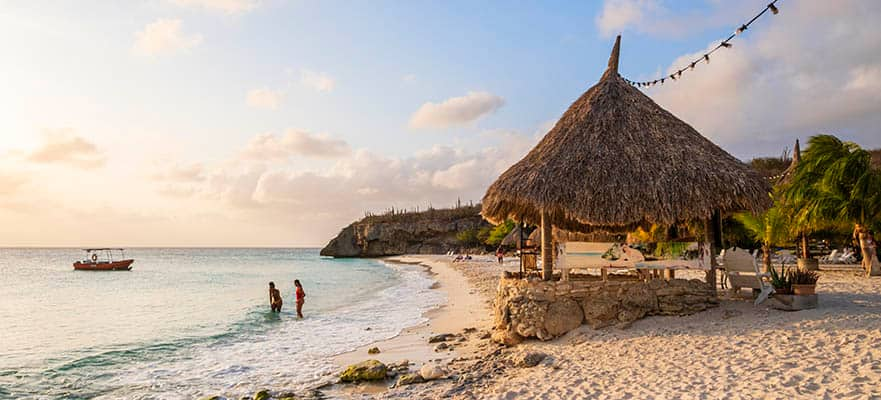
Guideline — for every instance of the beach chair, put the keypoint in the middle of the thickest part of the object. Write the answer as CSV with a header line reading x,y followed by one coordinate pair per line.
x,y
831,258
743,271
784,257
847,257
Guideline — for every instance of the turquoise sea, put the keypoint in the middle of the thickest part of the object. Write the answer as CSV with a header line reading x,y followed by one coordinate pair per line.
x,y
185,323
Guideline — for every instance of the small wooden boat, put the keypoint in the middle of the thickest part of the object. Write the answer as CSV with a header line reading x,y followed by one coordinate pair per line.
x,y
103,260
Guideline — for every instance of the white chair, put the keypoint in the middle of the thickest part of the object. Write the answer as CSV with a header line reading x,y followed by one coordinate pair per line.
x,y
743,271
847,257
831,258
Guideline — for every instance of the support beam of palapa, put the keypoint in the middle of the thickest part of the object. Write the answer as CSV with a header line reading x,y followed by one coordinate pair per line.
x,y
547,251
711,236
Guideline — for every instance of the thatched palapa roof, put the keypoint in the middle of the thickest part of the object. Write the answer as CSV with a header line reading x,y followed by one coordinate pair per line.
x,y
616,160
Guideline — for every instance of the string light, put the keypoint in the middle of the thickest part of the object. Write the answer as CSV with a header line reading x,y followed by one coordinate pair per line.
x,y
725,44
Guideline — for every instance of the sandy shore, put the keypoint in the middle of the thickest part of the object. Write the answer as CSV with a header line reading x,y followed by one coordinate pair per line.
x,y
735,351
466,313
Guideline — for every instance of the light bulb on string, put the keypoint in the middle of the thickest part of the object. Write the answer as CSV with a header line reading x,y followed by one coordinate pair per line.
x,y
707,58
725,44
740,30
773,9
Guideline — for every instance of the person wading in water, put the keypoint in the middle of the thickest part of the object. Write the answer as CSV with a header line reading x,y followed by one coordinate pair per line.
x,y
301,297
275,298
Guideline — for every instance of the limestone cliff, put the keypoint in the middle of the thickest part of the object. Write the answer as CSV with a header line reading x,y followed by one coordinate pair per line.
x,y
427,232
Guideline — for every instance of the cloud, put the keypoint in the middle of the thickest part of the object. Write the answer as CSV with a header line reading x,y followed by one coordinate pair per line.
x,y
226,6
654,18
324,199
369,181
62,147
181,173
9,183
264,98
409,78
318,81
790,77
295,143
164,36
618,15
456,111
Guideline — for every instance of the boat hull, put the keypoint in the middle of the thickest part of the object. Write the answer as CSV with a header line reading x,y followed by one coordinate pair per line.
x,y
122,265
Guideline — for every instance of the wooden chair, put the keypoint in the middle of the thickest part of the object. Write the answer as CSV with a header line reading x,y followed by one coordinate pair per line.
x,y
743,271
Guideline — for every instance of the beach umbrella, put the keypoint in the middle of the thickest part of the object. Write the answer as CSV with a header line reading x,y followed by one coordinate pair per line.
x,y
616,160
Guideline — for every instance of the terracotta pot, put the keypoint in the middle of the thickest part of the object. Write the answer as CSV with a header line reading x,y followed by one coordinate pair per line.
x,y
783,291
804,289
810,264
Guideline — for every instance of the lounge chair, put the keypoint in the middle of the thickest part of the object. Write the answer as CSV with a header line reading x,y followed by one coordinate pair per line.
x,y
743,271
847,257
784,257
831,258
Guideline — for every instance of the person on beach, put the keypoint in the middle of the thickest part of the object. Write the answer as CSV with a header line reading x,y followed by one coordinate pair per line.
x,y
500,255
301,298
274,298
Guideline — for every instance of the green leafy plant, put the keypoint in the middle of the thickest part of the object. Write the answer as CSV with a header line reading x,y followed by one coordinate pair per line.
x,y
798,276
770,228
498,233
780,281
835,181
467,237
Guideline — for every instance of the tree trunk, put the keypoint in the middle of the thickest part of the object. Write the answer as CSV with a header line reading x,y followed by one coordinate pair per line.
x,y
766,257
805,254
870,260
547,251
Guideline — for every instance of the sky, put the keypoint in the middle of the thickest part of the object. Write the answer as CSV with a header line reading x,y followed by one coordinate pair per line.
x,y
276,123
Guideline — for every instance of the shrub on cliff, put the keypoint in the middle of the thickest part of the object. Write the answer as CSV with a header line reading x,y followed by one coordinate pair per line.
x,y
498,233
468,237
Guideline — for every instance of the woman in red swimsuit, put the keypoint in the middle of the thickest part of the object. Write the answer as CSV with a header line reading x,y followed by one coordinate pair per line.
x,y
301,298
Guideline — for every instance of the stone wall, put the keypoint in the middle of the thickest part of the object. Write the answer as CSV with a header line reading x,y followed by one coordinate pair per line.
x,y
547,309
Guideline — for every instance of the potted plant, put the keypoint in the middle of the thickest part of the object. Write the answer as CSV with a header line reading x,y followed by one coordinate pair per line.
x,y
780,280
803,282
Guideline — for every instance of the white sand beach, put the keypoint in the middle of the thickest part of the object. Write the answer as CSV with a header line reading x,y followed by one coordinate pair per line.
x,y
734,351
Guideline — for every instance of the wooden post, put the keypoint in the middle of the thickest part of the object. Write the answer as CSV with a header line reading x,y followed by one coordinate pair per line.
x,y
547,251
714,222
520,248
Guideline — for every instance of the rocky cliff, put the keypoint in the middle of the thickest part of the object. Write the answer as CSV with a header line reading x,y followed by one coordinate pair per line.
x,y
427,232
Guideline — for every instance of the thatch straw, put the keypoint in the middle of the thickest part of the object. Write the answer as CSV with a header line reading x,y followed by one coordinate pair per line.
x,y
616,160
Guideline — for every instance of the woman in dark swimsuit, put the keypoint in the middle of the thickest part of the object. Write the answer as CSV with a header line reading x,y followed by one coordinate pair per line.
x,y
274,298
301,298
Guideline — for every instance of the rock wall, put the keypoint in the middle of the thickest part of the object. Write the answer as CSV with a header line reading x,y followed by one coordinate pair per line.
x,y
428,232
545,310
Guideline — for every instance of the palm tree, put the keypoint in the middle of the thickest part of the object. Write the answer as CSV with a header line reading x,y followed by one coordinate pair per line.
x,y
835,180
770,228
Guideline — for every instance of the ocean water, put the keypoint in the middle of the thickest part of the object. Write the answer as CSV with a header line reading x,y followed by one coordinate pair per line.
x,y
186,323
